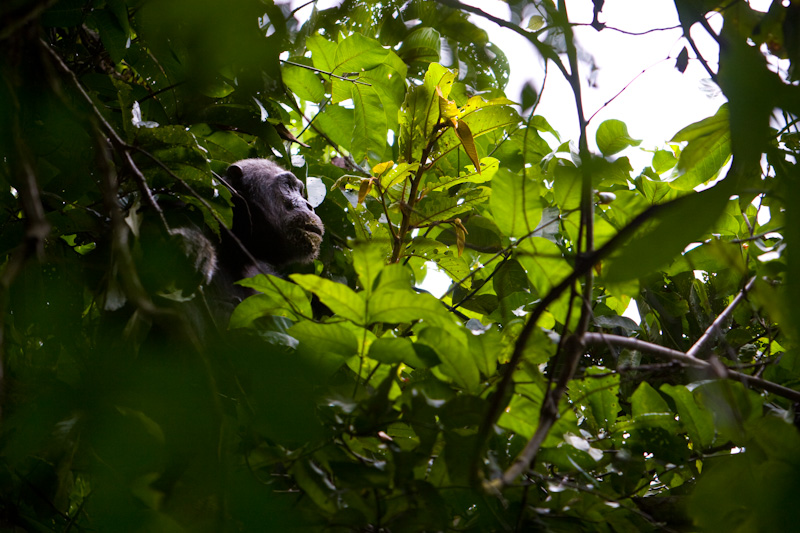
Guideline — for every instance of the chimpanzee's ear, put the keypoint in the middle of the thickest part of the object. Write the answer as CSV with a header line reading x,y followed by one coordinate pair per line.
x,y
234,171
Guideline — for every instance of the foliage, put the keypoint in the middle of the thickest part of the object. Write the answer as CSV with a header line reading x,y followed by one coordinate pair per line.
x,y
341,397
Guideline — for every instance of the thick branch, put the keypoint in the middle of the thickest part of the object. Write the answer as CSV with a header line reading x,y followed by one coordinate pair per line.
x,y
714,329
675,355
574,348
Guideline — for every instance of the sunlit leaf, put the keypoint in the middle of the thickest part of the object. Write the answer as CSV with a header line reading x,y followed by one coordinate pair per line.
x,y
338,297
457,363
468,143
516,203
612,137
278,297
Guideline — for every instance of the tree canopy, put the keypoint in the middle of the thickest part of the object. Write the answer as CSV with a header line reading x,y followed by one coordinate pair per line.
x,y
341,397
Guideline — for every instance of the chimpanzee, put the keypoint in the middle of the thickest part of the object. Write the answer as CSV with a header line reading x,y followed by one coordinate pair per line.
x,y
273,223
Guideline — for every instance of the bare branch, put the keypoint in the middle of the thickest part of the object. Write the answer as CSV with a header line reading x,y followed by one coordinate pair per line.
x,y
632,33
625,88
643,346
714,329
548,416
675,355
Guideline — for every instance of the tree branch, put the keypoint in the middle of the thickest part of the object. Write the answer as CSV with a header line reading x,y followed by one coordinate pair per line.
x,y
714,329
693,362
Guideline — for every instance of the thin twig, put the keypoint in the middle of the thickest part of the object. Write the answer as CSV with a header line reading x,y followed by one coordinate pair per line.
x,y
628,32
120,250
532,37
502,253
685,24
332,75
625,88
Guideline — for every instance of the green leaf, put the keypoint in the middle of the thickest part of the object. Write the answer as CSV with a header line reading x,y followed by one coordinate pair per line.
x,y
733,406
708,150
509,278
477,102
445,258
422,44
670,230
567,187
338,297
401,306
647,401
337,123
516,202
663,160
457,363
353,56
397,177
377,96
522,414
278,297
328,338
395,277
488,165
485,350
323,52
113,35
482,121
541,124
393,351
649,408
612,137
697,421
368,262
324,347
536,22
600,395
420,111
303,82
467,142
439,206
544,263
314,483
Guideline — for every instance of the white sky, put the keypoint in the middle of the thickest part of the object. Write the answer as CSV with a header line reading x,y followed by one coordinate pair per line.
x,y
655,106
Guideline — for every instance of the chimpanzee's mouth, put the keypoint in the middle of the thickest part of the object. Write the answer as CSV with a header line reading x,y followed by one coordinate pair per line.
x,y
313,228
